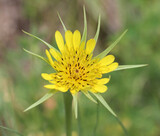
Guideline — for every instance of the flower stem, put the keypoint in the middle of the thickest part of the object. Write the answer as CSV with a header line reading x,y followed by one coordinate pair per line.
x,y
68,112
97,120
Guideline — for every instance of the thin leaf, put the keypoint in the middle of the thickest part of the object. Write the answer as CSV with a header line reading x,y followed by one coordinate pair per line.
x,y
64,27
75,104
11,130
106,51
89,96
84,36
104,103
44,98
122,67
49,46
34,54
98,28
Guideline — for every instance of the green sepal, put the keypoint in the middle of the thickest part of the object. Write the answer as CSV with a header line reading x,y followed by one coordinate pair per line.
x,y
34,54
106,51
64,27
122,67
10,130
49,46
75,104
84,36
104,103
44,98
86,93
98,29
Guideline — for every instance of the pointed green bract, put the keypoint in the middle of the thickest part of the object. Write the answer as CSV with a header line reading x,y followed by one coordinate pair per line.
x,y
11,130
44,98
98,29
64,27
86,93
49,46
104,103
84,36
106,51
75,104
122,67
34,54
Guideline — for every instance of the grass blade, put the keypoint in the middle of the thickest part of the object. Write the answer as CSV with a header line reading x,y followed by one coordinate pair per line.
x,y
11,130
44,98
122,67
49,46
84,36
106,51
34,54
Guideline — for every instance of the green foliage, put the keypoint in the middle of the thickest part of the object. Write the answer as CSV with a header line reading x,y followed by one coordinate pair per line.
x,y
133,94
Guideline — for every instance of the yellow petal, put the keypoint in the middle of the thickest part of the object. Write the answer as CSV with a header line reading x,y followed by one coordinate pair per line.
x,y
82,45
107,60
62,89
59,41
90,46
46,76
76,39
69,39
49,57
103,81
50,86
55,54
100,88
109,68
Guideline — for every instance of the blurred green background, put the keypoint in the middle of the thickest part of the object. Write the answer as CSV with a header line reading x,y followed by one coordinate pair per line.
x,y
133,94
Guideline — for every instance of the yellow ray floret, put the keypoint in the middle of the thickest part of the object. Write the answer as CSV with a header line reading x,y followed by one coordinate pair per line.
x,y
76,70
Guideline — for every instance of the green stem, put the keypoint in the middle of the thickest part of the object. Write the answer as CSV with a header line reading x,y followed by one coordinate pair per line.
x,y
68,112
80,132
97,119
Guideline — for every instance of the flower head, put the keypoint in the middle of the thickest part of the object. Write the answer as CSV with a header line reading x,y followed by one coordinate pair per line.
x,y
76,68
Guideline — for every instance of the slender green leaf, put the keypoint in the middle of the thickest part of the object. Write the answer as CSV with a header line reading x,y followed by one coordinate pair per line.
x,y
98,28
11,130
75,104
44,98
34,54
86,93
84,36
106,51
122,67
49,46
104,103
64,27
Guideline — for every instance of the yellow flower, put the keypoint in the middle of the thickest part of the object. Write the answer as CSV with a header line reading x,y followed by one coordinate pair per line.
x,y
76,68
